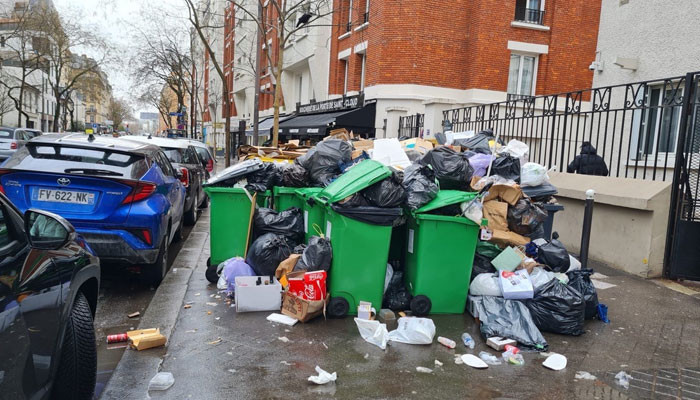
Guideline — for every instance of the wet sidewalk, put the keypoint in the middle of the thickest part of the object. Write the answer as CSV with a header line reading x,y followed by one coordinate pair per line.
x,y
215,353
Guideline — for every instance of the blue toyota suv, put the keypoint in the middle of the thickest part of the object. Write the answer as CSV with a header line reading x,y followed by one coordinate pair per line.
x,y
123,197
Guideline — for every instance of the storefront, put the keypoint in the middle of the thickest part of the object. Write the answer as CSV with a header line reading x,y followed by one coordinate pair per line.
x,y
316,120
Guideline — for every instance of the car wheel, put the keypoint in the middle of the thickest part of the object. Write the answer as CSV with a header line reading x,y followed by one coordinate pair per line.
x,y
77,371
191,214
154,273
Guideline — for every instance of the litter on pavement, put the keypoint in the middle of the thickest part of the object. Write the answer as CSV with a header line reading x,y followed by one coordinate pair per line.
x,y
323,377
161,381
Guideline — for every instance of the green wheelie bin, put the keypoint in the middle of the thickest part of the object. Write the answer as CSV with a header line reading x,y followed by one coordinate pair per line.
x,y
230,218
440,253
264,199
360,247
284,198
314,212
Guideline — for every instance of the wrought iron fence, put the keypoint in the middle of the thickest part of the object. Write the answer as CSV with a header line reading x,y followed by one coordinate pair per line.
x,y
531,15
634,127
411,125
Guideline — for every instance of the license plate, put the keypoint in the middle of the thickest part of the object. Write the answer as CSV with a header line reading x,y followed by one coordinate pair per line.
x,y
64,196
4,146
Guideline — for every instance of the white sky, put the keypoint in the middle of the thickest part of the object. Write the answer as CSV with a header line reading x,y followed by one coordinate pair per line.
x,y
115,21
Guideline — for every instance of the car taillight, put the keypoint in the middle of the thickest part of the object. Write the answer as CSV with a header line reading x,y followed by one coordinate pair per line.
x,y
210,165
3,171
13,146
139,191
185,178
144,235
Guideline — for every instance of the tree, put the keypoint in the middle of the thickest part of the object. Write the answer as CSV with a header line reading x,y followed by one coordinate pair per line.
x,y
118,111
287,18
152,97
63,34
5,103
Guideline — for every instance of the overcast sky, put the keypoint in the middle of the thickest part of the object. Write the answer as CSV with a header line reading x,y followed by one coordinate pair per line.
x,y
115,20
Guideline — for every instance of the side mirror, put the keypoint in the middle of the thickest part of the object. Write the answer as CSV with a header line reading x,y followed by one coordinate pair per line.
x,y
47,231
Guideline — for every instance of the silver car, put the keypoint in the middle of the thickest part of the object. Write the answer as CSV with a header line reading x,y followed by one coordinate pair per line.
x,y
12,139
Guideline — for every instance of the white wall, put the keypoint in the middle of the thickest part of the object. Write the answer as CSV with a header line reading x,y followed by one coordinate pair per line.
x,y
661,34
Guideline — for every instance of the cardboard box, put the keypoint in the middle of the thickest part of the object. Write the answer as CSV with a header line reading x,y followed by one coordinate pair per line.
x,y
303,310
516,285
309,285
507,238
496,213
287,266
146,338
498,343
253,297
509,194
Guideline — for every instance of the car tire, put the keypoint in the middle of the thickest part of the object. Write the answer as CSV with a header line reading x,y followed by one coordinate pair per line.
x,y
155,273
191,214
77,371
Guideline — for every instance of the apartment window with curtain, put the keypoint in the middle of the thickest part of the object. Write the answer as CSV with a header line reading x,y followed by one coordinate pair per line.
x,y
531,11
521,76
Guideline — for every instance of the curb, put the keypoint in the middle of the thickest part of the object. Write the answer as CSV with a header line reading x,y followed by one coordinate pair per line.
x,y
135,369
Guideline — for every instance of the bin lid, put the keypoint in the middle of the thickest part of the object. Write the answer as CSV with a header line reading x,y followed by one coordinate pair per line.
x,y
359,177
447,198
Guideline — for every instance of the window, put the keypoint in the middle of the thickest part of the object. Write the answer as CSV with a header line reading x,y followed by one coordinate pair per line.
x,y
531,11
345,78
349,15
366,19
300,82
657,126
164,164
521,76
362,75
2,41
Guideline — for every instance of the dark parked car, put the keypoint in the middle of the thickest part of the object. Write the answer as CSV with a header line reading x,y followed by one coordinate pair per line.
x,y
49,280
124,197
184,157
205,154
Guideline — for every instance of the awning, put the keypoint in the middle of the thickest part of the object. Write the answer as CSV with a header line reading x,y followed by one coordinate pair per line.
x,y
265,125
359,120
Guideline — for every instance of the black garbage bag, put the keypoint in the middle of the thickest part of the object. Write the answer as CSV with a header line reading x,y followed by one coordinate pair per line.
x,y
525,217
267,252
510,319
294,175
419,184
479,143
581,281
264,179
316,256
289,223
452,210
554,255
386,193
355,200
369,215
506,166
558,308
451,168
324,161
299,249
397,297
414,155
231,175
482,265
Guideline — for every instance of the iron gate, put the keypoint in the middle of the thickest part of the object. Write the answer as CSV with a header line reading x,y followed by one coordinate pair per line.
x,y
682,258
411,125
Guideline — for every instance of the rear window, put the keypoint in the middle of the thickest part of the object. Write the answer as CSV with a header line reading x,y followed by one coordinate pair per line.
x,y
174,155
203,153
5,134
62,159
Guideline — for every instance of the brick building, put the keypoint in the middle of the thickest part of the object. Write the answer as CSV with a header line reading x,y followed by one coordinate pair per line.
x,y
425,56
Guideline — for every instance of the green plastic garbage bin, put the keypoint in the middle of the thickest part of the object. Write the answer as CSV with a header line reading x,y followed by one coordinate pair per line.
x,y
360,249
314,212
285,198
230,219
440,253
264,199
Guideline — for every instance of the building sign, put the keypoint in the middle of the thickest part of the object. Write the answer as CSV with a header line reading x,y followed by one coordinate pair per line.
x,y
344,103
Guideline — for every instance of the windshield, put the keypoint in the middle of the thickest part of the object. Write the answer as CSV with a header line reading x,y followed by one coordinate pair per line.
x,y
62,159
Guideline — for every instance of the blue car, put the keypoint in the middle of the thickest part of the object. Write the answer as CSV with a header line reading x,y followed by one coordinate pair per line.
x,y
123,197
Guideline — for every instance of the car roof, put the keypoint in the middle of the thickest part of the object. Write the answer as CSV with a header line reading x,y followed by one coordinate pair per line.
x,y
99,142
7,129
158,141
193,142
29,130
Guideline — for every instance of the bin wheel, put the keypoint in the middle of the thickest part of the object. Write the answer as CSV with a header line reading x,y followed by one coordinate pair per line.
x,y
211,274
421,305
338,307
208,262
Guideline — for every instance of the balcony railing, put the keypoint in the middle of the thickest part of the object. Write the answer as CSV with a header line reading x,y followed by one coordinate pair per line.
x,y
513,97
530,15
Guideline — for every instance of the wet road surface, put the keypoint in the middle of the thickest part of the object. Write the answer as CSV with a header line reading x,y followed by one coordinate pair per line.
x,y
121,293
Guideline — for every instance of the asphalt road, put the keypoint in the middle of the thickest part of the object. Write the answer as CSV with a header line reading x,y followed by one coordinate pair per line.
x,y
121,293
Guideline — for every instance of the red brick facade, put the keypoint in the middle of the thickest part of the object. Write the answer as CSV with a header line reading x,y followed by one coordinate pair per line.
x,y
460,44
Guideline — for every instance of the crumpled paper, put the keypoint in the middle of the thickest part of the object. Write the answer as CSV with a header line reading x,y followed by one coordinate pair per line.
x,y
323,377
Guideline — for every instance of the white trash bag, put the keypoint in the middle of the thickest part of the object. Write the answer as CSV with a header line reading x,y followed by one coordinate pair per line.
x,y
373,332
485,285
518,150
533,174
413,330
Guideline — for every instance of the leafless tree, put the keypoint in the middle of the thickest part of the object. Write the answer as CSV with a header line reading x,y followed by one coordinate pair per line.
x,y
152,97
5,103
118,111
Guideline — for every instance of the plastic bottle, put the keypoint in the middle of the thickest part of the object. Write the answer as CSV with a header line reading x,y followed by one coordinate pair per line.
x,y
449,343
511,348
468,341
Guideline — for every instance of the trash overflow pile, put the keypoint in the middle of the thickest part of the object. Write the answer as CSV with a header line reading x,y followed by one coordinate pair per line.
x,y
353,227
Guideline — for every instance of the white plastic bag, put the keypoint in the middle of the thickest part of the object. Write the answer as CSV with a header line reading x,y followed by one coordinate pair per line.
x,y
387,277
162,381
473,210
485,285
518,150
413,330
574,264
323,377
540,276
222,284
390,153
373,332
533,174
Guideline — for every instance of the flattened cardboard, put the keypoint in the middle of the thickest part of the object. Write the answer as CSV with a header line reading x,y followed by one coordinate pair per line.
x,y
509,194
506,238
497,214
287,266
303,310
250,223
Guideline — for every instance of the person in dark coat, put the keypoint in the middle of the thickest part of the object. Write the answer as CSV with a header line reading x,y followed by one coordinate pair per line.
x,y
588,162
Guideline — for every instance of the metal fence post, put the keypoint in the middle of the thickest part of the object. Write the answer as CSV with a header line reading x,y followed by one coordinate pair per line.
x,y
587,223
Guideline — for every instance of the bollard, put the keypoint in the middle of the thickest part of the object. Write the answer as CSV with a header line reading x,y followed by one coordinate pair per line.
x,y
587,222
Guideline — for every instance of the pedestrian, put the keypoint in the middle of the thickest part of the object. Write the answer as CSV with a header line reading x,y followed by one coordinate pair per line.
x,y
588,162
